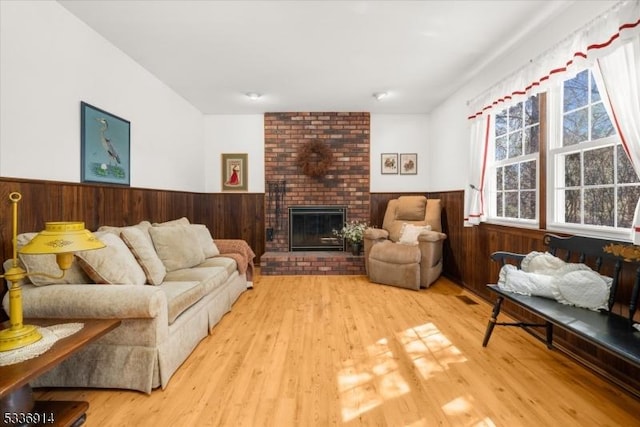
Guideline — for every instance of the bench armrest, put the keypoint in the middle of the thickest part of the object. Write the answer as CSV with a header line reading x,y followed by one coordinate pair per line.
x,y
503,257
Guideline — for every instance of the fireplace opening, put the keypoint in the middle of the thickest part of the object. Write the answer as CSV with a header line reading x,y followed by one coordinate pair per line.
x,y
311,228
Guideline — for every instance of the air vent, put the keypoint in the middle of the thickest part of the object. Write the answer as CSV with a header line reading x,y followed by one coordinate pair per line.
x,y
465,299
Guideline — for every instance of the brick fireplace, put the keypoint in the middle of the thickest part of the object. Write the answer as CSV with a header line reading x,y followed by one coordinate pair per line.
x,y
346,183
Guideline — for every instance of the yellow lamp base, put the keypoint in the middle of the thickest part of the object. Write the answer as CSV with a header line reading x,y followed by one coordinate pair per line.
x,y
13,338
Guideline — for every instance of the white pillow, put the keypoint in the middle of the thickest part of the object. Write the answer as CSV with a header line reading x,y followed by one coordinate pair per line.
x,y
177,246
206,241
114,264
583,288
409,233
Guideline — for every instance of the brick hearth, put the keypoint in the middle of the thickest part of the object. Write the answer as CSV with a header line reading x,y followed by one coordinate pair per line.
x,y
346,183
311,262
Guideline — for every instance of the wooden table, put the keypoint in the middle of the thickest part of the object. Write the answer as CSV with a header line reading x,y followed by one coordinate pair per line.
x,y
17,406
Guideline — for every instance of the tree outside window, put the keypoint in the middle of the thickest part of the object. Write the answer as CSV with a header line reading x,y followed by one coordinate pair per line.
x,y
516,148
595,184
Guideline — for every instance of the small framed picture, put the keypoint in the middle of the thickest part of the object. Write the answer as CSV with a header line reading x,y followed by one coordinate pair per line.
x,y
234,172
408,164
105,145
389,163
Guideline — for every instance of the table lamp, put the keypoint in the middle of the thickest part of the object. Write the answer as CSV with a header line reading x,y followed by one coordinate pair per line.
x,y
59,238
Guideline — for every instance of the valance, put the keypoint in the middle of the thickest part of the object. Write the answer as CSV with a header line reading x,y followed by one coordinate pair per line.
x,y
596,39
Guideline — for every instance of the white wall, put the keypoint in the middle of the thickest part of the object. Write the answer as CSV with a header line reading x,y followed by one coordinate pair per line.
x,y
397,133
448,132
49,62
400,133
234,134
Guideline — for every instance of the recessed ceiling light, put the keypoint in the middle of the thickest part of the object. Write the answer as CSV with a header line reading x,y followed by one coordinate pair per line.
x,y
379,95
253,95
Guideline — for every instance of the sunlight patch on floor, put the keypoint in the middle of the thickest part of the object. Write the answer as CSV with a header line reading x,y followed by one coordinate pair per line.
x,y
463,412
429,349
366,384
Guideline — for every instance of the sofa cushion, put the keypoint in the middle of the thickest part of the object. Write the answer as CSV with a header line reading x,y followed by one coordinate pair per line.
x,y
209,277
229,264
206,241
177,246
181,295
113,264
141,246
47,264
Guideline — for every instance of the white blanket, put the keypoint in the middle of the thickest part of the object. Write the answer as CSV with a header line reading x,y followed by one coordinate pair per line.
x,y
547,276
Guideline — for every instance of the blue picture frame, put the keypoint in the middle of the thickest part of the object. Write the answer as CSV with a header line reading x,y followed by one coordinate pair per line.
x,y
105,146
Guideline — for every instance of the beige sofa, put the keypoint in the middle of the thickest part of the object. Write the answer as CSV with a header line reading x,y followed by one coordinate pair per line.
x,y
169,283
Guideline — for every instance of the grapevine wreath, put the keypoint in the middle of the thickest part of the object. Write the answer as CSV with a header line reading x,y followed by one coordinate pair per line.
x,y
314,158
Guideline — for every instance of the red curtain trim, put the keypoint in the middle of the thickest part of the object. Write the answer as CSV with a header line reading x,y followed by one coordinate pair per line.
x,y
591,47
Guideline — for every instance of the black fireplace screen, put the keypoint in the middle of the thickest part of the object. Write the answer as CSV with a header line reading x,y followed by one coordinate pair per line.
x,y
311,228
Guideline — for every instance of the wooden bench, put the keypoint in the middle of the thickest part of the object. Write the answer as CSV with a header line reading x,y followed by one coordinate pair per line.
x,y
608,330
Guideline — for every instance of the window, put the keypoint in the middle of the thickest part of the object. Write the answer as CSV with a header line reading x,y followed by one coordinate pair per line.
x,y
594,184
577,166
515,166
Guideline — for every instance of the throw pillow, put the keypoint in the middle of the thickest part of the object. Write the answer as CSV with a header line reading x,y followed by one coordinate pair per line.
x,y
114,264
141,246
206,241
177,246
47,264
180,221
410,233
143,225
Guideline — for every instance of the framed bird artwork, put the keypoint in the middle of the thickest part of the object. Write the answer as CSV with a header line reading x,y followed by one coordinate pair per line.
x,y
105,146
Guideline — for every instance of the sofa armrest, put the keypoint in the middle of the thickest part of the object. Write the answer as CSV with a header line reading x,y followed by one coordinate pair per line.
x,y
92,301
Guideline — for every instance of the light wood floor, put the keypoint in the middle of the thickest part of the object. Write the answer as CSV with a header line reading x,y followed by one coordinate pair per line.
x,y
338,350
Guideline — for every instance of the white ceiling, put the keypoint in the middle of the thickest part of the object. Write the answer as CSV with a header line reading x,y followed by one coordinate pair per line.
x,y
313,55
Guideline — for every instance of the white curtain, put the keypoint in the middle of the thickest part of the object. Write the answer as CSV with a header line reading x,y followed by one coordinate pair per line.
x,y
620,74
474,209
582,49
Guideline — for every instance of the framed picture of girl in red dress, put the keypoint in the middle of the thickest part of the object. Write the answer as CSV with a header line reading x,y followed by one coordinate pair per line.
x,y
234,172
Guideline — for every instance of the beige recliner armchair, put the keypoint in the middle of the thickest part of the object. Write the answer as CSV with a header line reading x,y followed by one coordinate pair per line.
x,y
407,251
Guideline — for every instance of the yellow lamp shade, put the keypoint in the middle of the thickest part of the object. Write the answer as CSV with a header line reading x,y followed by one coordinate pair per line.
x,y
62,237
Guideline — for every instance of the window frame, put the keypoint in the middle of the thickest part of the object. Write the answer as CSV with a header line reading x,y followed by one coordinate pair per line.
x,y
550,110
537,157
555,151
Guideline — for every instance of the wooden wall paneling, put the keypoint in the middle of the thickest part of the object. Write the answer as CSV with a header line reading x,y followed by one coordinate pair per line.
x,y
73,203
454,246
234,216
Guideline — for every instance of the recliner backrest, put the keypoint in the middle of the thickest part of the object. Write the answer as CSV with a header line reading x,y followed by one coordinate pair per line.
x,y
417,210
